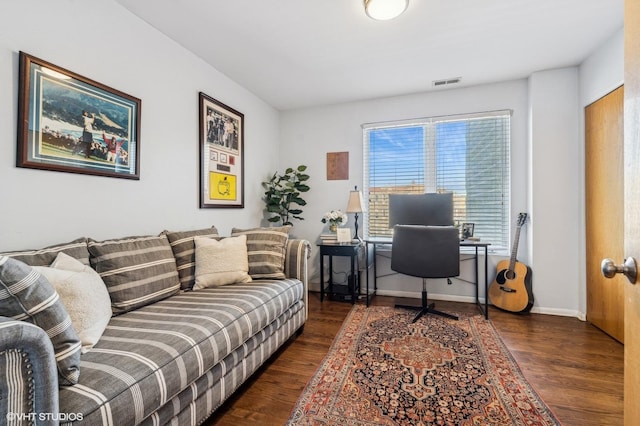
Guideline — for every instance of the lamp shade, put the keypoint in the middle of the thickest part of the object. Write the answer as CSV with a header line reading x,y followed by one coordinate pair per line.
x,y
383,10
355,204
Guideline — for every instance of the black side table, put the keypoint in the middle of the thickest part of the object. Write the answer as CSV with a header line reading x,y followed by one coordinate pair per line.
x,y
350,250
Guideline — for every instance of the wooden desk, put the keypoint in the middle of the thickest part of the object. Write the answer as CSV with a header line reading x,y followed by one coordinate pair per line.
x,y
476,245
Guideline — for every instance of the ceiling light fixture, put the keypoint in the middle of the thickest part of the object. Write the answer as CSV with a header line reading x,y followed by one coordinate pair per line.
x,y
383,10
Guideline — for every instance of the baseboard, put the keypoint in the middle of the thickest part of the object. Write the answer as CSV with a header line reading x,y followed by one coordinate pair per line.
x,y
559,312
470,299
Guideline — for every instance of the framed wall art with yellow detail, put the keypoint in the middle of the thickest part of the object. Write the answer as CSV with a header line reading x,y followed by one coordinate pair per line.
x,y
221,154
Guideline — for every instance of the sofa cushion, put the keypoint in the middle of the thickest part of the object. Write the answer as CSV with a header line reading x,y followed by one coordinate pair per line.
x,y
266,250
28,296
221,262
149,355
44,257
209,391
184,250
136,270
77,284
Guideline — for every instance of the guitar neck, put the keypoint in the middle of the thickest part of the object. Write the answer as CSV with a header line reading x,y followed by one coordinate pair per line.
x,y
514,250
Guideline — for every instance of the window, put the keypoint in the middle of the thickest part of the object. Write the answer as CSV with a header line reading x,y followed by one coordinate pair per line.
x,y
467,155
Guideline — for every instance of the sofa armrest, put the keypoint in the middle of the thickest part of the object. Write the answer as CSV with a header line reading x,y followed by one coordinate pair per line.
x,y
30,385
296,265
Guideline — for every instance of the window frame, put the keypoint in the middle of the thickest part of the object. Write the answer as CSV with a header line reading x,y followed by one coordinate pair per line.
x,y
429,124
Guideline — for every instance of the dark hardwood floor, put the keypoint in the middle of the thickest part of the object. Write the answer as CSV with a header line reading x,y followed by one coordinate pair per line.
x,y
575,368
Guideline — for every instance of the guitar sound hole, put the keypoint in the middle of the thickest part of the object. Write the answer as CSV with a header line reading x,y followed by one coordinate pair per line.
x,y
505,275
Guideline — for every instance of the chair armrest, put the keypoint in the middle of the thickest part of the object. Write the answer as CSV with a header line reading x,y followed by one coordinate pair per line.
x,y
296,258
30,385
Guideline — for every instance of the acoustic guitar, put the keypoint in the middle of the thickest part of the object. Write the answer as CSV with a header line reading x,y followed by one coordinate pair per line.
x,y
511,290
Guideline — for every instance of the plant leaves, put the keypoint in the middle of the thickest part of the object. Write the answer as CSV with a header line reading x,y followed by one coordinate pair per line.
x,y
283,191
299,201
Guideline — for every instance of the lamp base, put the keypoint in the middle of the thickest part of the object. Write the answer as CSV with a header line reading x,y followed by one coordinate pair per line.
x,y
356,237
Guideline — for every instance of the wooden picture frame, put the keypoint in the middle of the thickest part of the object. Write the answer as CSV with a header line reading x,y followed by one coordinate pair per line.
x,y
69,123
221,146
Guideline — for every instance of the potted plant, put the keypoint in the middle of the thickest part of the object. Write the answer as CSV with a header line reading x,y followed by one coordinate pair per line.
x,y
282,195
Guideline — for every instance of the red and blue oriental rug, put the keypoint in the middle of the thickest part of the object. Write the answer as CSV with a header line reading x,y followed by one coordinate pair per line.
x,y
383,370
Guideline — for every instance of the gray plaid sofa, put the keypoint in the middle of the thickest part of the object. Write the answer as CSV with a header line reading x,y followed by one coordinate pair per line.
x,y
172,361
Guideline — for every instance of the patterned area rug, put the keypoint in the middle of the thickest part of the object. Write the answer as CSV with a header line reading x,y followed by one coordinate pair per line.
x,y
383,370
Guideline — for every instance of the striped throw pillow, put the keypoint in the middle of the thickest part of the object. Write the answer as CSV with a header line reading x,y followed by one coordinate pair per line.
x,y
184,250
266,250
44,257
28,296
136,270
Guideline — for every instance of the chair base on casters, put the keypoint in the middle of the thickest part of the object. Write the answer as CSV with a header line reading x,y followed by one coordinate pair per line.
x,y
426,308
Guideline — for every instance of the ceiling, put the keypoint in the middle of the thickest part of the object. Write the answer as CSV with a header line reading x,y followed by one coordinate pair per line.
x,y
301,53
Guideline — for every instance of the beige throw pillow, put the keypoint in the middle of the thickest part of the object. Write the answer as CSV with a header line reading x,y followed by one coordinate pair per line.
x,y
221,262
83,294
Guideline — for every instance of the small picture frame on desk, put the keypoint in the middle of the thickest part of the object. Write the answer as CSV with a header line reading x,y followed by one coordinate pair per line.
x,y
343,235
467,230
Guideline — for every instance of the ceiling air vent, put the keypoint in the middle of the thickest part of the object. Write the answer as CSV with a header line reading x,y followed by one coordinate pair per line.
x,y
446,81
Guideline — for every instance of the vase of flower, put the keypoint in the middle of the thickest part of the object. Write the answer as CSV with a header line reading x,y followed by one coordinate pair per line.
x,y
334,218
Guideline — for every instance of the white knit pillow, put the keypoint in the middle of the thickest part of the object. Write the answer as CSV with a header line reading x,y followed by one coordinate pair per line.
x,y
83,294
221,262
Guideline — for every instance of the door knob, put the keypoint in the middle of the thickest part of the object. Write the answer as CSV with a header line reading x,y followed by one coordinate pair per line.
x,y
629,269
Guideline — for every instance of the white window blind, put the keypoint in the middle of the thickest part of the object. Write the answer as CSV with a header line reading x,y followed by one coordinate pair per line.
x,y
467,155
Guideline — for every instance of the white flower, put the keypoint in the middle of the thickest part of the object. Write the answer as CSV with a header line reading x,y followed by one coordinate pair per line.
x,y
335,217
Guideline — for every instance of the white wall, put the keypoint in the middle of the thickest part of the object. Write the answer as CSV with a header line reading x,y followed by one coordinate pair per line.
x,y
308,134
554,189
103,41
603,71
547,168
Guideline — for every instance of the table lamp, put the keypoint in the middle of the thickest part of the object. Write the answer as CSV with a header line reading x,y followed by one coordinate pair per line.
x,y
355,205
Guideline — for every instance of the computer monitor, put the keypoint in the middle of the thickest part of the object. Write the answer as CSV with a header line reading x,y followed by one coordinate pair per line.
x,y
435,209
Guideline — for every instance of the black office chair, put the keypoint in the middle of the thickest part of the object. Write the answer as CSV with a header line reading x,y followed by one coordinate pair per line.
x,y
426,252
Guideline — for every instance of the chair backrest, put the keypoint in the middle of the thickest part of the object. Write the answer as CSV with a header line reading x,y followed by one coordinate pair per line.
x,y
426,251
427,209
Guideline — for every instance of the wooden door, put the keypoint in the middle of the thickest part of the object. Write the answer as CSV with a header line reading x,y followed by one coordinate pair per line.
x,y
632,209
604,185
